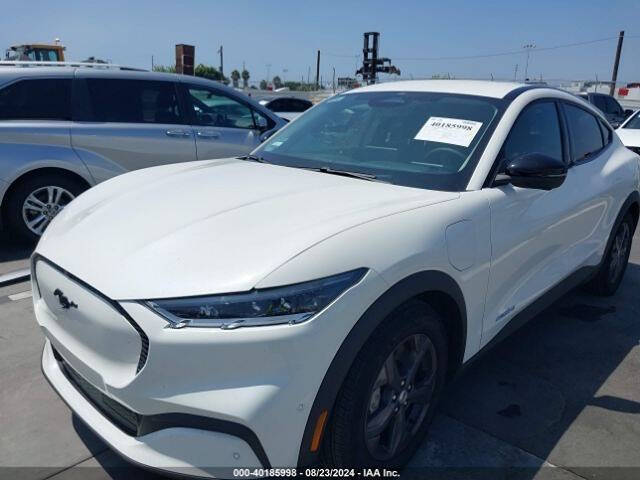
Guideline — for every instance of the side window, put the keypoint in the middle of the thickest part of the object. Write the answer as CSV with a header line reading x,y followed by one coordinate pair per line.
x,y
132,101
613,106
584,129
277,106
300,105
537,130
38,99
213,108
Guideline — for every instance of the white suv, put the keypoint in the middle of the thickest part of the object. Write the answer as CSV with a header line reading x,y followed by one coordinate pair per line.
x,y
310,301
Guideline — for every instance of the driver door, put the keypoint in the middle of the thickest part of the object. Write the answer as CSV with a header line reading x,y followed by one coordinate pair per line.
x,y
537,236
223,125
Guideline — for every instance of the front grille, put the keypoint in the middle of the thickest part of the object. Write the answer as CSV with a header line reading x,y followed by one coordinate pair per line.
x,y
144,340
122,417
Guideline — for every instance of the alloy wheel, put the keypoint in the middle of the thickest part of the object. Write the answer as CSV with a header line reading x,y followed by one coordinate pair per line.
x,y
42,205
619,250
400,397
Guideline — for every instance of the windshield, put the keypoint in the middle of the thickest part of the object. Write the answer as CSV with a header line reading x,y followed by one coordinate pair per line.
x,y
634,122
417,139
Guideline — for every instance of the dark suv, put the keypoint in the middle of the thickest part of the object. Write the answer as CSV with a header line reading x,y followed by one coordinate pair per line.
x,y
607,105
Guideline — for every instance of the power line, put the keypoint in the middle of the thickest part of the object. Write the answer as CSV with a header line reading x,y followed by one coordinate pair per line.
x,y
341,55
498,54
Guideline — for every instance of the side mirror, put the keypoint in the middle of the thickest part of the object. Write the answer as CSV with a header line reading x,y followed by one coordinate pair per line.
x,y
628,112
261,123
534,170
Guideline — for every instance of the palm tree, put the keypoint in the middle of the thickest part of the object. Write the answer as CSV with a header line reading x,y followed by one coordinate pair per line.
x,y
235,77
245,78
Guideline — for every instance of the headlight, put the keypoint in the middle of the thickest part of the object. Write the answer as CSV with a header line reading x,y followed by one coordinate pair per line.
x,y
270,306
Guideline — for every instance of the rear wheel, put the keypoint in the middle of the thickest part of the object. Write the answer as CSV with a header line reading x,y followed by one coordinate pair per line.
x,y
36,201
614,264
388,399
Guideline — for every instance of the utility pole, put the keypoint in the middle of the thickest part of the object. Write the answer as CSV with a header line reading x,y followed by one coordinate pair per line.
x,y
614,77
528,47
334,80
515,73
268,72
308,74
221,62
318,71
152,63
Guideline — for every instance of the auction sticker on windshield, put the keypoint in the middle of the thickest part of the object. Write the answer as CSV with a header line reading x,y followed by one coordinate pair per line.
x,y
449,130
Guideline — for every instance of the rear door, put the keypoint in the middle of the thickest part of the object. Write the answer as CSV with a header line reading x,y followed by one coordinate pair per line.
x,y
224,125
597,183
123,124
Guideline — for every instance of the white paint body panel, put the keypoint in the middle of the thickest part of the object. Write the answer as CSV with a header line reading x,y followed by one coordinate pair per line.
x,y
227,225
629,136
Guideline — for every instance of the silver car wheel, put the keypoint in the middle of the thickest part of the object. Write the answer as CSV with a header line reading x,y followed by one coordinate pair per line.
x,y
42,205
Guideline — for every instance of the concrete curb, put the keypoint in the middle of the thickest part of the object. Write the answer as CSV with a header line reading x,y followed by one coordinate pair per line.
x,y
14,277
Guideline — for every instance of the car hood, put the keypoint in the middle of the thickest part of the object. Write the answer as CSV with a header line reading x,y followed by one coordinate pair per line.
x,y
630,136
210,227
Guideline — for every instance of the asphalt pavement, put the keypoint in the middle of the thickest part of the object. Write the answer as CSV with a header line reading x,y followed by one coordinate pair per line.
x,y
559,399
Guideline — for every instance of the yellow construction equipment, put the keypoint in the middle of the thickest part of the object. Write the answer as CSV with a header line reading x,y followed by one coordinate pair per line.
x,y
37,52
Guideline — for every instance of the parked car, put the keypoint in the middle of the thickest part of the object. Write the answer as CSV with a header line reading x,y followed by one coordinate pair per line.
x,y
314,297
64,129
287,107
608,105
629,132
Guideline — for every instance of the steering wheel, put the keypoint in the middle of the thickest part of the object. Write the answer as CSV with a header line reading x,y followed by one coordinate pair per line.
x,y
453,154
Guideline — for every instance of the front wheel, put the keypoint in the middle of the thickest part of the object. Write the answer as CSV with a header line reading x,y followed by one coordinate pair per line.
x,y
388,399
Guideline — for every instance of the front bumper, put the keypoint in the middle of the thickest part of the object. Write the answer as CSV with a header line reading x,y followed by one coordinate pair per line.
x,y
187,451
206,399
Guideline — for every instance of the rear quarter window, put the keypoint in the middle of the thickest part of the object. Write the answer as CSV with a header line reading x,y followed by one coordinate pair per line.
x,y
585,133
36,99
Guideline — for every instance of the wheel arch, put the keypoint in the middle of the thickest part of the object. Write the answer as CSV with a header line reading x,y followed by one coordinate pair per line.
x,y
34,173
633,206
630,205
437,289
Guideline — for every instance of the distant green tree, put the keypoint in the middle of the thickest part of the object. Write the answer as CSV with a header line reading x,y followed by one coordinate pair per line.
x,y
245,78
263,84
235,78
212,73
164,69
277,83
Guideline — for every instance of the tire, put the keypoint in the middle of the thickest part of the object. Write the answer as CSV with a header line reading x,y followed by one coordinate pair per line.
x,y
37,188
364,395
614,263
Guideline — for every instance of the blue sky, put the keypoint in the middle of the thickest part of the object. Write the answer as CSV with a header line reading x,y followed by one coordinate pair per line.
x,y
287,34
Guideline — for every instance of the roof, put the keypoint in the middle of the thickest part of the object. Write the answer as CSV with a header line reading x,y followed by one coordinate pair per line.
x,y
485,88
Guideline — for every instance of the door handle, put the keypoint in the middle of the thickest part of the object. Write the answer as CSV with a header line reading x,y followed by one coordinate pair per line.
x,y
178,133
205,134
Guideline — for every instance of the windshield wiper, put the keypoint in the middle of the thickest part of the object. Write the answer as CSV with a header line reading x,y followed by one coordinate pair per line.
x,y
253,158
344,173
